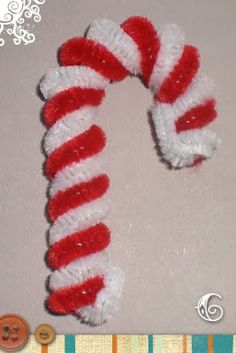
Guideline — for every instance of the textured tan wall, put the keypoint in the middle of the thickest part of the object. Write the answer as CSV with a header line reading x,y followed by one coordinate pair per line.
x,y
173,231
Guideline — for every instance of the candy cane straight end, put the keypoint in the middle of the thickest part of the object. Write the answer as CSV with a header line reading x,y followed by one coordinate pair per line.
x,y
107,299
84,282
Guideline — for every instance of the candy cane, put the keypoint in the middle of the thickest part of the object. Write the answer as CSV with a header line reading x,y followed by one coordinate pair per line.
x,y
84,281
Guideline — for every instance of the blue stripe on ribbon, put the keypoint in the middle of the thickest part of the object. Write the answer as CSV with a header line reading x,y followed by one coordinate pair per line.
x,y
200,344
150,343
223,344
69,344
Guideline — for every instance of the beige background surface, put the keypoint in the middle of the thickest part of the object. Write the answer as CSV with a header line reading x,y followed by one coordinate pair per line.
x,y
173,231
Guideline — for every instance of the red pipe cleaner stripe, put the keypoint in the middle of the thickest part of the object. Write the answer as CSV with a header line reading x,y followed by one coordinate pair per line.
x,y
67,300
78,291
69,100
79,244
197,161
180,78
197,117
77,195
145,36
83,51
80,147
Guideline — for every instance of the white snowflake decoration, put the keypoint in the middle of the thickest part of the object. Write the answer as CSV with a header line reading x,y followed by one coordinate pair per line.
x,y
13,19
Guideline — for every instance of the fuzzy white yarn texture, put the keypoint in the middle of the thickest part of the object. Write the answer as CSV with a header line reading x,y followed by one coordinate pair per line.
x,y
178,150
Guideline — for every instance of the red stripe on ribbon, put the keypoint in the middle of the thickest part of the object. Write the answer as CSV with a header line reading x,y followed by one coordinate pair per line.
x,y
67,300
77,195
80,147
145,36
181,76
197,117
79,244
69,100
83,51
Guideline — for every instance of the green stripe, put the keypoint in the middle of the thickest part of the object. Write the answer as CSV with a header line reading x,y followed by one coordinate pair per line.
x,y
199,344
134,344
69,344
223,344
158,345
150,343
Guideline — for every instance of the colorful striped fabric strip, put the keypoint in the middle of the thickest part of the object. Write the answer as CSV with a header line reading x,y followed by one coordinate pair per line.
x,y
134,344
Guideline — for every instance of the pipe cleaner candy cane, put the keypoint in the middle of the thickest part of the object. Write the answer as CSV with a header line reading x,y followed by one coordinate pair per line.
x,y
84,281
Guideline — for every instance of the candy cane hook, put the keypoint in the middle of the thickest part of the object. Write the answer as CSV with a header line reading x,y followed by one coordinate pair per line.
x,y
84,281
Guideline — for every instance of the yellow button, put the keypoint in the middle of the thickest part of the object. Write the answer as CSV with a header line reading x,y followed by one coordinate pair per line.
x,y
44,334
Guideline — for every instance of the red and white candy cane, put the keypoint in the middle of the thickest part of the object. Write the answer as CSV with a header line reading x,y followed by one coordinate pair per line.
x,y
84,281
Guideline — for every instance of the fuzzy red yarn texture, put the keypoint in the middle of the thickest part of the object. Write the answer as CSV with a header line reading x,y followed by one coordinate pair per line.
x,y
78,184
67,300
145,36
80,147
82,51
77,245
68,101
77,195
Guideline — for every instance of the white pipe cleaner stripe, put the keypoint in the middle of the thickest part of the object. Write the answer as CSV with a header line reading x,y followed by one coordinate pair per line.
x,y
79,219
79,173
172,44
109,34
62,78
79,271
71,125
84,281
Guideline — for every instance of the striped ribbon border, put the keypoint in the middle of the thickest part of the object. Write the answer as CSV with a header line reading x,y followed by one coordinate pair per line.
x,y
134,344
